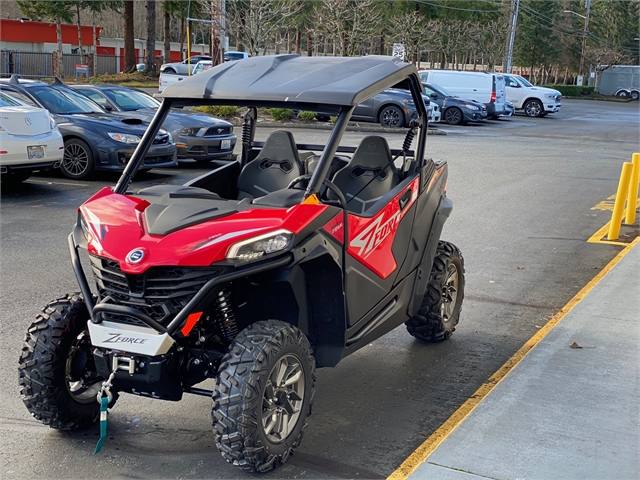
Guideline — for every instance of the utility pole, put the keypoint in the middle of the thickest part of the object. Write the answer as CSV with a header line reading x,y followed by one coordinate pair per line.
x,y
515,5
584,37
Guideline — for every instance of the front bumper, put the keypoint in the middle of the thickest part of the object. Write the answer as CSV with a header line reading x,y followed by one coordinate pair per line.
x,y
113,156
474,115
552,107
205,148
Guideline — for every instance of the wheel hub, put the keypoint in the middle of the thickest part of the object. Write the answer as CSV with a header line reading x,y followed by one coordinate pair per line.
x,y
449,293
283,398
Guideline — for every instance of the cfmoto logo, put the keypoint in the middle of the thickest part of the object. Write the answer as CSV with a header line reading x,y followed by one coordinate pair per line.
x,y
27,120
135,256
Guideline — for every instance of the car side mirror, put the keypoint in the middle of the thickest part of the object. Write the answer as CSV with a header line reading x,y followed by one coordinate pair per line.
x,y
108,108
434,96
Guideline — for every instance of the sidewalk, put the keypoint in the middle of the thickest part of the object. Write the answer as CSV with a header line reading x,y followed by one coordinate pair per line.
x,y
562,413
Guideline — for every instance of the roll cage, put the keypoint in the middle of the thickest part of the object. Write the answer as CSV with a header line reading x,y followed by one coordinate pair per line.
x,y
326,84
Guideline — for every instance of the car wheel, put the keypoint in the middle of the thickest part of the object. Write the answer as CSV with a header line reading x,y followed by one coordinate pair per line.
x,y
623,94
453,116
391,116
77,162
323,118
263,395
58,379
533,108
170,71
440,310
635,94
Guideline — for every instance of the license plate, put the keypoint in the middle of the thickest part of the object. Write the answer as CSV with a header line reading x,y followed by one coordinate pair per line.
x,y
225,144
35,152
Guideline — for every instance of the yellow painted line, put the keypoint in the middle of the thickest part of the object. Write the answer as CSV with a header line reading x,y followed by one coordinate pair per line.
x,y
600,234
430,444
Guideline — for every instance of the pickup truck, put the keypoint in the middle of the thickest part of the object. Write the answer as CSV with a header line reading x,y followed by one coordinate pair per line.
x,y
182,68
167,79
534,101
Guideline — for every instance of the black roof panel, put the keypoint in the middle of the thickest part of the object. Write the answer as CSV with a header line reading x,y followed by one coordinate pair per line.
x,y
335,81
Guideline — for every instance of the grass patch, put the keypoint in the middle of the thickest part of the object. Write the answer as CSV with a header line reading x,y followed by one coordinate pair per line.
x,y
280,113
135,79
218,111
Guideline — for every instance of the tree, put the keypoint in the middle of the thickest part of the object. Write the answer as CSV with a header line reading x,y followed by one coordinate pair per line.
x,y
349,23
55,11
149,64
254,21
129,47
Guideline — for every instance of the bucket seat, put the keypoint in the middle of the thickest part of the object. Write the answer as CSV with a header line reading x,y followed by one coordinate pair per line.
x,y
277,164
369,175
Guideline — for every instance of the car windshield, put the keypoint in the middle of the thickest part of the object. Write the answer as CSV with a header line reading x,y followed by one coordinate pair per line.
x,y
233,56
201,67
64,101
441,90
7,101
130,100
523,81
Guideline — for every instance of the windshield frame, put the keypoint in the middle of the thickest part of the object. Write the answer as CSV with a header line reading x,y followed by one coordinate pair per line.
x,y
85,104
111,94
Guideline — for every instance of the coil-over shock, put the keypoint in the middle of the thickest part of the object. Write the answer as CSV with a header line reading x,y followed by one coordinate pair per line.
x,y
225,315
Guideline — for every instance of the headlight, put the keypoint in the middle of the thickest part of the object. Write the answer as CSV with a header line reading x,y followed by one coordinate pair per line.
x,y
408,102
124,137
471,107
52,122
550,95
189,131
164,132
261,245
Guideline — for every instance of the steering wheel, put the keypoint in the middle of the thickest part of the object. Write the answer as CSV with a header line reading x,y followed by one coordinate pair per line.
x,y
342,202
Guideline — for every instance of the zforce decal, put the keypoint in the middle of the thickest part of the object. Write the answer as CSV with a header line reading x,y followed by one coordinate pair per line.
x,y
374,234
371,238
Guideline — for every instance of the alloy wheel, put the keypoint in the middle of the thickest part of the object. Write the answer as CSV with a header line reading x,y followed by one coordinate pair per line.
x,y
533,109
283,398
75,160
390,117
449,293
82,381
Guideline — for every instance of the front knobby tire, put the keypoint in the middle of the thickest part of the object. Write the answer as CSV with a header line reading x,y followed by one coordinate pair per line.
x,y
263,396
440,310
57,375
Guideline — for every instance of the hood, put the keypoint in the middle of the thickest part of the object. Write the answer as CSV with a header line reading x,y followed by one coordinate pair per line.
x,y
177,118
202,228
105,121
546,90
455,100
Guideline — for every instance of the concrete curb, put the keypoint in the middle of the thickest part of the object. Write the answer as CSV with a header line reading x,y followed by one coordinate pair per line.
x,y
614,99
352,127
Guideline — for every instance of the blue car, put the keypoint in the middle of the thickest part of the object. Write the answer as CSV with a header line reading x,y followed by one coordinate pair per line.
x,y
94,140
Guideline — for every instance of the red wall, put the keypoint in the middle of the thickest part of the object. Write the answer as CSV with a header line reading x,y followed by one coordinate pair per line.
x,y
43,32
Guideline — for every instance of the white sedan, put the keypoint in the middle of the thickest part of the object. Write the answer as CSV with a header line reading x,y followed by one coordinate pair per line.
x,y
29,140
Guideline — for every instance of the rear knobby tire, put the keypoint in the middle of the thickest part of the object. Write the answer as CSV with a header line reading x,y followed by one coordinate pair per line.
x,y
57,377
438,315
246,401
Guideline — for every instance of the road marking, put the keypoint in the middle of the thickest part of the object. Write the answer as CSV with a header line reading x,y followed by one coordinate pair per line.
x,y
606,204
602,233
423,452
58,183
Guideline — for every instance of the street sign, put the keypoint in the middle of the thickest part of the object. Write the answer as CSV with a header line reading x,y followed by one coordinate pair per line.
x,y
398,50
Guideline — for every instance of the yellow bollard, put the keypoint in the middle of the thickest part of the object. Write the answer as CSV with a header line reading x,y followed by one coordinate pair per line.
x,y
633,191
618,206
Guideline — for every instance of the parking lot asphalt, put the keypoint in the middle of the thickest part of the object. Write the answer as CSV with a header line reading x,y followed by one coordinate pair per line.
x,y
523,192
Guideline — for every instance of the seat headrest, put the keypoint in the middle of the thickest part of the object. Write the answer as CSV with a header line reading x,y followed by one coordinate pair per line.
x,y
279,145
372,152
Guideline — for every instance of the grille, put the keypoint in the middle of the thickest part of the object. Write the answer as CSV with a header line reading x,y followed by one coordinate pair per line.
x,y
161,139
160,292
215,131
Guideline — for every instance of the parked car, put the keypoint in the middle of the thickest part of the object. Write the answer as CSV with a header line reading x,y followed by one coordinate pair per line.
x,y
233,56
455,110
533,101
510,109
484,87
29,140
393,107
94,140
167,79
182,68
197,135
